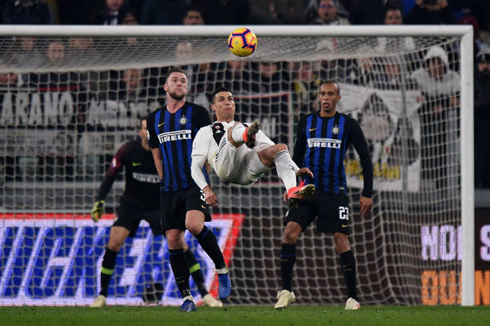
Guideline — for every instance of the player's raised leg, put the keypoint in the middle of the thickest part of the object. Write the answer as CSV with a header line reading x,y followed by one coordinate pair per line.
x,y
288,171
241,134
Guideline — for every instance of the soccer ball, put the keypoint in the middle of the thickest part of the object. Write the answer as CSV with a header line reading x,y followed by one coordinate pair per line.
x,y
242,42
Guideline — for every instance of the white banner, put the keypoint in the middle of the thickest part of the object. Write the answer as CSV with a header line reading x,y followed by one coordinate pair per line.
x,y
381,116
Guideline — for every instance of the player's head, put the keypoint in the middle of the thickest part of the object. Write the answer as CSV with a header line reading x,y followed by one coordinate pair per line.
x,y
329,96
223,104
176,84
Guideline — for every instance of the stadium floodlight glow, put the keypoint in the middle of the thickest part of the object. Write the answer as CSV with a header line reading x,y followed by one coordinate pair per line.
x,y
58,132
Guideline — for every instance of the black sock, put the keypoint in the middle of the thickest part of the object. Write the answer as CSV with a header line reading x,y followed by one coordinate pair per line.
x,y
181,271
195,270
348,265
288,259
208,242
108,264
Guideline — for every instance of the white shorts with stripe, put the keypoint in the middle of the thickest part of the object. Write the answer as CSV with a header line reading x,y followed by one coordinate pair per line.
x,y
241,165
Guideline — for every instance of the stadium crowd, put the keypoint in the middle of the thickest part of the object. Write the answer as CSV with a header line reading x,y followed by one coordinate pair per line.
x,y
302,78
433,72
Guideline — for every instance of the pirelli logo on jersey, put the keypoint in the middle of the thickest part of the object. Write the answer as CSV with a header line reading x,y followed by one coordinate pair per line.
x,y
174,135
324,142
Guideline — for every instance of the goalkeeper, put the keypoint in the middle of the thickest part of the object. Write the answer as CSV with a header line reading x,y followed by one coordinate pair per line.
x,y
140,200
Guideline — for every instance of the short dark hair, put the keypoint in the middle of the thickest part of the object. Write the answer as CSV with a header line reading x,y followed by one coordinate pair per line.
x,y
193,8
172,70
332,82
218,90
390,7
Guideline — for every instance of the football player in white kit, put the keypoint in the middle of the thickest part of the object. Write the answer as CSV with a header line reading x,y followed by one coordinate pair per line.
x,y
221,144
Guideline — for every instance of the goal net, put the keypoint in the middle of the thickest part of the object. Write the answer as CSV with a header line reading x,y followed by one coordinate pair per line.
x,y
71,96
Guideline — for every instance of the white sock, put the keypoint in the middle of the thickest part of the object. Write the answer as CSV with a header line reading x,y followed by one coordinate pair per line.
x,y
285,168
237,133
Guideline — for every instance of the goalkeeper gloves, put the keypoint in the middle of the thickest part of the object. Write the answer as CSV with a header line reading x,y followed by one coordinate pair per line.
x,y
97,210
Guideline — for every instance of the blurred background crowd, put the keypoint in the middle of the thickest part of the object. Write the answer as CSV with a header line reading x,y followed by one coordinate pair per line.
x,y
299,77
243,12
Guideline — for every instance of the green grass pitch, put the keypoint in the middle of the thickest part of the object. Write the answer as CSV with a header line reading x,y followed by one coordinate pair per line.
x,y
294,315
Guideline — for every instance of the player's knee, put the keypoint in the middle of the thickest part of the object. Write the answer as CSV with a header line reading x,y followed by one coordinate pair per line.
x,y
291,233
115,244
194,227
174,240
341,242
281,147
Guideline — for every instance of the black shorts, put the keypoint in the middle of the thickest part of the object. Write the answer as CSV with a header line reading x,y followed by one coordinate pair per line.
x,y
175,205
331,209
130,216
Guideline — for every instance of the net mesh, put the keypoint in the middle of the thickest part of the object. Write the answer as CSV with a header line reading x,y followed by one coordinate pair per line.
x,y
69,103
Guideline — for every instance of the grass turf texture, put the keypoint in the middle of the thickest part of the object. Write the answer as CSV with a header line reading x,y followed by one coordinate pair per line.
x,y
246,315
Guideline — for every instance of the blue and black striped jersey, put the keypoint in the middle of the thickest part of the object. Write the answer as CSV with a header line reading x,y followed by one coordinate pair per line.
x,y
321,145
174,133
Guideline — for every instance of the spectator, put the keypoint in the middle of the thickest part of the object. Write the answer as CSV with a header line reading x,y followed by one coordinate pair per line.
x,y
277,12
24,53
327,14
311,9
8,79
268,78
133,85
113,13
439,87
393,16
305,85
482,119
193,16
25,12
431,12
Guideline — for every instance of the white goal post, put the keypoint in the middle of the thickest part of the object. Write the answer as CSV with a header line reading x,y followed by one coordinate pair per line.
x,y
57,134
